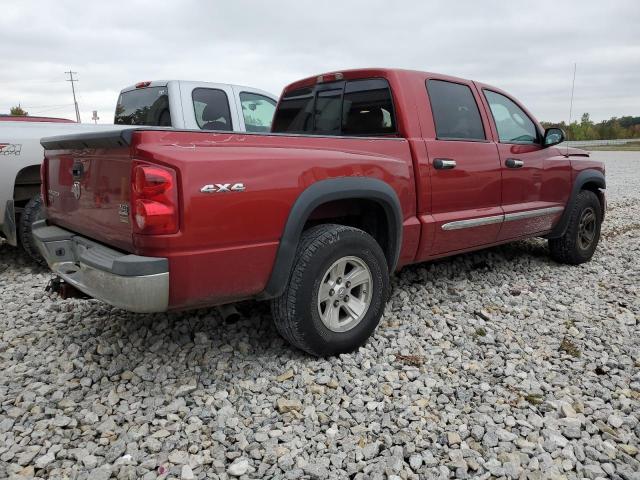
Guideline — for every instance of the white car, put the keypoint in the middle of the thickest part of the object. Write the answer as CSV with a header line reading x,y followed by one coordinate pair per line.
x,y
173,103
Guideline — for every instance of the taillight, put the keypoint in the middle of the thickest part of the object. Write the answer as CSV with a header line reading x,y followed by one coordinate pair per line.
x,y
329,77
154,199
43,181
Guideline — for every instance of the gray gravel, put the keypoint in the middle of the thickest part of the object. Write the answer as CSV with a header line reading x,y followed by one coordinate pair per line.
x,y
496,364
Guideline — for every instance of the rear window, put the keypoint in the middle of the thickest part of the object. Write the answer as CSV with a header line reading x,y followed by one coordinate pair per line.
x,y
211,107
144,106
294,112
455,111
356,107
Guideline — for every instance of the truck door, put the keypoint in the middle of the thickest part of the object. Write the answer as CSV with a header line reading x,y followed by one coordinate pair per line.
x,y
464,169
536,181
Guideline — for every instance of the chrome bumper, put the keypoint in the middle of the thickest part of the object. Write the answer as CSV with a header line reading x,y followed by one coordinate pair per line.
x,y
134,283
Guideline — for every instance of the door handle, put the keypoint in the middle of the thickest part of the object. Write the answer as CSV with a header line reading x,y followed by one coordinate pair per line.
x,y
444,164
513,163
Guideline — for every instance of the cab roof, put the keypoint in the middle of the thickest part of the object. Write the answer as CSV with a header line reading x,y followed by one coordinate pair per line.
x,y
352,74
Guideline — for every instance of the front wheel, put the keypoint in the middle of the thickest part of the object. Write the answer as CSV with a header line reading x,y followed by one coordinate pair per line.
x,y
336,292
580,240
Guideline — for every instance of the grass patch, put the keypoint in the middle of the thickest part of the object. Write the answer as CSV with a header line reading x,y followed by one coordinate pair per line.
x,y
569,347
626,147
479,332
534,398
415,360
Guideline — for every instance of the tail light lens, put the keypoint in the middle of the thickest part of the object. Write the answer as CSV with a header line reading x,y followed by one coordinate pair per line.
x,y
154,199
44,167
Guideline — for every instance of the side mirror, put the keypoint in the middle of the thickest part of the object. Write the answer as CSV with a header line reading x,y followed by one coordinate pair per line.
x,y
553,136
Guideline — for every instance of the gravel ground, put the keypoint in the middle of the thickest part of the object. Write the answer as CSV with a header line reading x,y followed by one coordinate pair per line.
x,y
492,364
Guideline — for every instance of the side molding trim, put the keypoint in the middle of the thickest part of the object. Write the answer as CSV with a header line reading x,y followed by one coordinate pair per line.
x,y
508,217
473,222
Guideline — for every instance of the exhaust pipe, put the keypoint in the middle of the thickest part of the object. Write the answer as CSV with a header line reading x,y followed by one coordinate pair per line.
x,y
229,313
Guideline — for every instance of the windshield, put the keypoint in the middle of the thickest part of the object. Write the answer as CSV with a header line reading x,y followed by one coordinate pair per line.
x,y
144,106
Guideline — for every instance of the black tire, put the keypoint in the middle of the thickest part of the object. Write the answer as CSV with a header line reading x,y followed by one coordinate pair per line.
x,y
32,212
296,313
575,246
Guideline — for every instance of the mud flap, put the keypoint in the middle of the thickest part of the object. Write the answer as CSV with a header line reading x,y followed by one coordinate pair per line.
x,y
9,224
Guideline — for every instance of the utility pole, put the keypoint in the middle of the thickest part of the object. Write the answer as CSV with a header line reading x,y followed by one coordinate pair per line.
x,y
75,102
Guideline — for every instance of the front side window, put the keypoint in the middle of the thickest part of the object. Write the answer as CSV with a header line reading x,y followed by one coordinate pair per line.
x,y
257,111
144,106
211,108
455,111
514,126
357,107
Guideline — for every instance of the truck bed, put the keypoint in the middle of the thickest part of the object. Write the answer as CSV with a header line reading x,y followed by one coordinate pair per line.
x,y
218,231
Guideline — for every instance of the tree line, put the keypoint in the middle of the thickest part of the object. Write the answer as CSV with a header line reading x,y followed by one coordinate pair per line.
x,y
18,111
586,129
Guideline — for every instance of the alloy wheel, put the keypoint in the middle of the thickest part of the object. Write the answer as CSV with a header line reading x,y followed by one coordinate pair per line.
x,y
344,295
587,228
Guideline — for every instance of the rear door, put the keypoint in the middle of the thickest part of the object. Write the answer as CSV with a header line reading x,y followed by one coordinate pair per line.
x,y
534,184
464,167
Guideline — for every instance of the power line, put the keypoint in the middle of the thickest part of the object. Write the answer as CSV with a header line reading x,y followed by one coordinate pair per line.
x,y
73,90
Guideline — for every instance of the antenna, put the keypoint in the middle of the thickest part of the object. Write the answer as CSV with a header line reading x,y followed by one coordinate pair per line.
x,y
573,85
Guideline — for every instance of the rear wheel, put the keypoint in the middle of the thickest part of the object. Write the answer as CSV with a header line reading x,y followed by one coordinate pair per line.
x,y
336,293
32,212
580,240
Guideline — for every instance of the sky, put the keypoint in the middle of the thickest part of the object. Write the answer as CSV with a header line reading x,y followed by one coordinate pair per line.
x,y
527,48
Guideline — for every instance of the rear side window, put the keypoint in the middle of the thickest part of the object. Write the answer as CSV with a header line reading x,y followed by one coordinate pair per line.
x,y
144,106
514,126
211,108
257,111
368,109
357,107
455,111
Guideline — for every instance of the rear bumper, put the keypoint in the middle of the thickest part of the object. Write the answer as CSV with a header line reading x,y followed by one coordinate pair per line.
x,y
134,283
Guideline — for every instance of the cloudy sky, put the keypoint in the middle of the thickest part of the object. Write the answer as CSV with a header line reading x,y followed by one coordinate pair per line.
x,y
525,47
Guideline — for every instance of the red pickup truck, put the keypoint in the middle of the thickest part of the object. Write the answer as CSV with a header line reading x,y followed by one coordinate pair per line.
x,y
365,171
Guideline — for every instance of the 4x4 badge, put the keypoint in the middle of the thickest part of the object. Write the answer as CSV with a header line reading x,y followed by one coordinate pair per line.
x,y
223,187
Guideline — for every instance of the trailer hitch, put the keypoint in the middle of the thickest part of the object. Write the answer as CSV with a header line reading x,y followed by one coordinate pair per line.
x,y
64,289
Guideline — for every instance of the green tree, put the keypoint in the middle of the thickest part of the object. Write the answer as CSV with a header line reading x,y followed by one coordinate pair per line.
x,y
624,127
18,111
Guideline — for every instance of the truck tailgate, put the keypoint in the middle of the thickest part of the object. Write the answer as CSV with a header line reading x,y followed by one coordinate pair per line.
x,y
88,192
